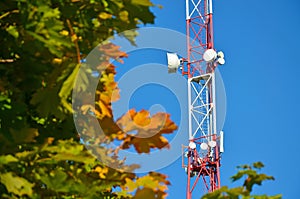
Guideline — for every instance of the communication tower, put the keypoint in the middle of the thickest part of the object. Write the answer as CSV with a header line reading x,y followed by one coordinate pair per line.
x,y
201,158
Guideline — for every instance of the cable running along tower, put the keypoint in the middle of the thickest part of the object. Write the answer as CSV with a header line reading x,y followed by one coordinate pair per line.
x,y
201,158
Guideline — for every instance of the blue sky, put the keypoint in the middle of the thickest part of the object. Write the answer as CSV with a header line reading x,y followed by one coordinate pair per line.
x,y
260,40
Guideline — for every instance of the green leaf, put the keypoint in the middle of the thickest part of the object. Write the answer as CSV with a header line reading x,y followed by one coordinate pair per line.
x,y
41,78
142,2
5,159
56,180
25,154
4,98
81,79
13,31
145,193
258,165
235,192
67,87
130,35
24,135
50,13
16,185
47,102
68,157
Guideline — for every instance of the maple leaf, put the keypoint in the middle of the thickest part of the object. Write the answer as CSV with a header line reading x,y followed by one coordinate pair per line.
x,y
37,94
149,186
112,51
145,132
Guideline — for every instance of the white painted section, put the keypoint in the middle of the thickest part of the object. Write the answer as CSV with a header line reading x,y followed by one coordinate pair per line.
x,y
187,9
210,7
190,108
221,142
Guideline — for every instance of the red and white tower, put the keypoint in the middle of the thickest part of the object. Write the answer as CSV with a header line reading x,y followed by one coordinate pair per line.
x,y
202,156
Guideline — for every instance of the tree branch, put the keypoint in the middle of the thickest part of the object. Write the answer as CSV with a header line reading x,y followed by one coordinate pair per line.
x,y
74,40
6,60
8,13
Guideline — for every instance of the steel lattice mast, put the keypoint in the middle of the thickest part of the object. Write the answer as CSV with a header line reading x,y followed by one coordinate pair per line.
x,y
202,156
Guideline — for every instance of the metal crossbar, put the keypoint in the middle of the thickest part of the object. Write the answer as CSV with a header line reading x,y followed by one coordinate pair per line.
x,y
201,109
196,5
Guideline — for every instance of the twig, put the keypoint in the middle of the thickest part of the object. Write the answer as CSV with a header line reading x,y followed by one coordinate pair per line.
x,y
6,60
8,13
75,40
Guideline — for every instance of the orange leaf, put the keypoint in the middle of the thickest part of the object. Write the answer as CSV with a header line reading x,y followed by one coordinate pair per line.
x,y
145,193
126,121
146,131
112,51
110,128
142,118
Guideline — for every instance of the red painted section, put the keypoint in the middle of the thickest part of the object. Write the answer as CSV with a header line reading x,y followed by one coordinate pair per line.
x,y
200,36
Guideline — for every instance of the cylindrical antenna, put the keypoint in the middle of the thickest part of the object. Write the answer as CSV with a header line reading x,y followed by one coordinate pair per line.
x,y
221,142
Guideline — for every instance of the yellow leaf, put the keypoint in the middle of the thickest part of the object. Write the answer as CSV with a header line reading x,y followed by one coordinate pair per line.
x,y
131,186
121,136
104,110
74,37
105,15
124,16
101,171
57,61
89,108
108,80
64,32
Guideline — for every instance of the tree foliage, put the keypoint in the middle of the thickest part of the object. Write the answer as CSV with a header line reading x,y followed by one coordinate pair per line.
x,y
252,177
43,46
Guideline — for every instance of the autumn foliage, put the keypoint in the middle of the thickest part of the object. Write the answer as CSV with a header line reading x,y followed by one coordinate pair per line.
x,y
42,156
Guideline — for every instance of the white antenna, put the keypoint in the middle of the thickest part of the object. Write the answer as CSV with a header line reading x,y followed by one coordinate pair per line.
x,y
210,55
221,142
192,145
204,146
173,62
212,144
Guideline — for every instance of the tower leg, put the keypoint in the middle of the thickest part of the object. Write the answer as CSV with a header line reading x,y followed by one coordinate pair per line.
x,y
188,190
